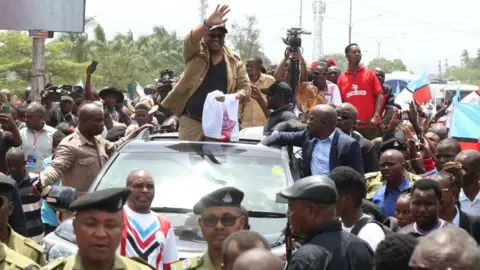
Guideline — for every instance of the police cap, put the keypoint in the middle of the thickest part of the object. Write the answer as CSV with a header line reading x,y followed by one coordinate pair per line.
x,y
394,143
317,188
227,196
109,200
6,186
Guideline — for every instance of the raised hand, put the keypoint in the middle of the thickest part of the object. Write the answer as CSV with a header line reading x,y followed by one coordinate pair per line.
x,y
218,16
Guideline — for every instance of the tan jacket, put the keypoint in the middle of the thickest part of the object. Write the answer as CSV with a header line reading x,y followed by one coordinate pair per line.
x,y
74,262
196,57
251,114
26,247
78,161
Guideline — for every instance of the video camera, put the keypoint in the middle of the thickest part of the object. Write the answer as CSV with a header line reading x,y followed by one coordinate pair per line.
x,y
166,78
54,92
293,40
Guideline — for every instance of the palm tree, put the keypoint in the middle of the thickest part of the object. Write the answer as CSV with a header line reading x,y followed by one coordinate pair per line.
x,y
80,46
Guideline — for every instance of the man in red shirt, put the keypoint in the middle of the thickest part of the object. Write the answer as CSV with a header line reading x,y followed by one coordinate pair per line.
x,y
360,87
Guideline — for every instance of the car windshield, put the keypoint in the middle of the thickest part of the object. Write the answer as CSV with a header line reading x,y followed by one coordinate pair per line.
x,y
182,178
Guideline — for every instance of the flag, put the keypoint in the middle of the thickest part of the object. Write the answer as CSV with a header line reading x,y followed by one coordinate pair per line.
x,y
80,83
397,90
404,98
466,115
140,90
457,93
420,89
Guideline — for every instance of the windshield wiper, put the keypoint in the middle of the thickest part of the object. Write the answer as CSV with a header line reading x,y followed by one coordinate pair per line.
x,y
171,210
262,214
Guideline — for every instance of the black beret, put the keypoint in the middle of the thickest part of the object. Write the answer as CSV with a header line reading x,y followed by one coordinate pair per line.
x,y
394,143
317,188
227,196
7,185
109,200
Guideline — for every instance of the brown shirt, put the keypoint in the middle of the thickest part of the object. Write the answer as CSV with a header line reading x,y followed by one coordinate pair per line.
x,y
78,161
251,113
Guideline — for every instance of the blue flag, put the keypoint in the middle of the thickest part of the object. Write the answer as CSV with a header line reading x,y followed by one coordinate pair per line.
x,y
466,115
457,93
397,90
79,83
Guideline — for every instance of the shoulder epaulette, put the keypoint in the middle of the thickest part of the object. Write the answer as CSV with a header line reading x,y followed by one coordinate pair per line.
x,y
141,261
30,243
371,174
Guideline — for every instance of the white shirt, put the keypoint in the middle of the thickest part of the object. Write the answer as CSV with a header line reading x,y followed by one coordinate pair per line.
x,y
148,236
320,164
370,233
36,143
333,94
470,207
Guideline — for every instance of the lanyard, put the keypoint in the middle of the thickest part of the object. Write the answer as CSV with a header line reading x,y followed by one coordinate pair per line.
x,y
35,137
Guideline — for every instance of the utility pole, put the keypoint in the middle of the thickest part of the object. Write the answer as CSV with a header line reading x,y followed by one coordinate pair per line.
x,y
350,25
440,68
446,65
38,68
301,12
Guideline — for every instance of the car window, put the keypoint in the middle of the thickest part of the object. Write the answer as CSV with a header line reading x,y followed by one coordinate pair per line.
x,y
182,178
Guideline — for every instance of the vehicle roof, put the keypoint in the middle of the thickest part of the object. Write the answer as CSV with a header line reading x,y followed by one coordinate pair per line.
x,y
175,146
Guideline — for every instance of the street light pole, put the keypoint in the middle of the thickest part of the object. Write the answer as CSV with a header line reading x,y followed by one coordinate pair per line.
x,y
380,41
350,25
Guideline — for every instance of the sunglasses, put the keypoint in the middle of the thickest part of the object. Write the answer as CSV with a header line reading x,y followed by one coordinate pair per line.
x,y
214,36
227,220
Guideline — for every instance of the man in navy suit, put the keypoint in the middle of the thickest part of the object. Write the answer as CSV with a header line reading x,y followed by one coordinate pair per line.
x,y
323,146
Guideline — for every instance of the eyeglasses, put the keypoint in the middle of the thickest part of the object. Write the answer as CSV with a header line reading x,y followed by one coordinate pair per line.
x,y
219,36
227,220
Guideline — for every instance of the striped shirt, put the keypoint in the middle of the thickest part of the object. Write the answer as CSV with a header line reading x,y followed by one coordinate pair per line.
x,y
32,206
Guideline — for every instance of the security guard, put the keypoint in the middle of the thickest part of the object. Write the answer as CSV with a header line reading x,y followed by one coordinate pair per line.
x,y
220,215
98,227
12,260
15,241
312,215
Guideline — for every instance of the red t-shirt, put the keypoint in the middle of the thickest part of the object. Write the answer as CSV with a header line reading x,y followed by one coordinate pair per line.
x,y
360,89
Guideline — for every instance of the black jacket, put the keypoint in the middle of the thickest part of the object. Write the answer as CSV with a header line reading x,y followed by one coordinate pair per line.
x,y
471,224
330,245
282,114
345,151
369,154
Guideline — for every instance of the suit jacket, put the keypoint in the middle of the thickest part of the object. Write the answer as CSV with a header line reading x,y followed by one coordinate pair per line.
x,y
369,154
345,151
471,224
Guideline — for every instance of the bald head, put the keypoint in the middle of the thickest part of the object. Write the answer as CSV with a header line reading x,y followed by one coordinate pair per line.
x,y
440,130
325,112
15,153
139,173
379,70
86,110
350,109
450,247
470,156
394,153
258,259
335,68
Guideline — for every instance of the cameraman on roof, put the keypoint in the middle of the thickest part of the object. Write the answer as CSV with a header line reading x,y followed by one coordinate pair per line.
x,y
209,66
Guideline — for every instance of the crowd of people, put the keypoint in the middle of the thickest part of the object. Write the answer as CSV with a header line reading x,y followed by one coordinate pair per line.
x,y
378,188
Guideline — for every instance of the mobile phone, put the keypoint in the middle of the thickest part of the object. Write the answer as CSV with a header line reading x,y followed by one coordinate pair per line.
x,y
93,66
404,116
5,108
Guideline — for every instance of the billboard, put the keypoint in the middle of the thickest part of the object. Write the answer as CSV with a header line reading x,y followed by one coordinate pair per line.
x,y
49,15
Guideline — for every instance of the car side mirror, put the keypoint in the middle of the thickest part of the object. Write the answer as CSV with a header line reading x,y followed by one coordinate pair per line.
x,y
60,197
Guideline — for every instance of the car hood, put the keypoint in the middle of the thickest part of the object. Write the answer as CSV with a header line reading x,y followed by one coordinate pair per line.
x,y
189,237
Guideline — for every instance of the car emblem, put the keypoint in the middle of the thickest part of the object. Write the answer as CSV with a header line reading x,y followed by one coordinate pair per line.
x,y
227,198
187,264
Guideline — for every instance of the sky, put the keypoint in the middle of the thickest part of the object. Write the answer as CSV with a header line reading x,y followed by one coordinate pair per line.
x,y
420,32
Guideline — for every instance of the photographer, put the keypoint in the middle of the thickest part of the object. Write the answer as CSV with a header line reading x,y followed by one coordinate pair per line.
x,y
283,72
209,66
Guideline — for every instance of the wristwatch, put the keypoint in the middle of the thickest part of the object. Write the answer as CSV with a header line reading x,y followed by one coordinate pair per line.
x,y
206,25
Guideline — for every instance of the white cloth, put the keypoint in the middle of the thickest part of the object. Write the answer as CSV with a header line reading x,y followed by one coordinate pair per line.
x,y
220,119
39,143
469,207
370,233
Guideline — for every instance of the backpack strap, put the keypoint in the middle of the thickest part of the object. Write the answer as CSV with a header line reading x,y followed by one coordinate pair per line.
x,y
360,224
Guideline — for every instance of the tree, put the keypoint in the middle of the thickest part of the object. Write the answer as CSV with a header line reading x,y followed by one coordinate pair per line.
x,y
339,59
388,66
465,59
245,38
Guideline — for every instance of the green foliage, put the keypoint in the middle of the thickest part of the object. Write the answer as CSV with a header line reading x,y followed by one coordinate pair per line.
x,y
468,72
246,38
122,60
339,59
388,66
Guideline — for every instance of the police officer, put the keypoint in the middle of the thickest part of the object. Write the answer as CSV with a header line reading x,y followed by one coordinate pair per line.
x,y
15,241
12,260
312,215
220,215
98,227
